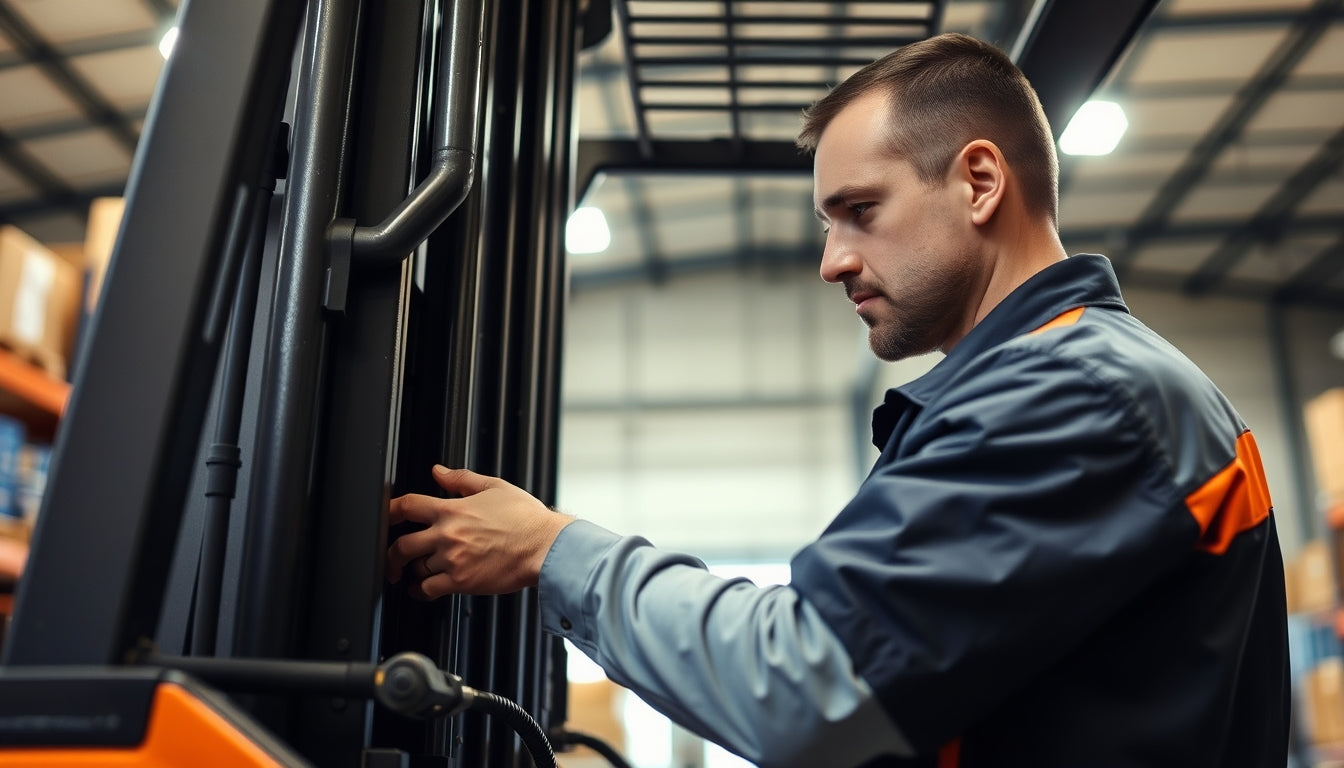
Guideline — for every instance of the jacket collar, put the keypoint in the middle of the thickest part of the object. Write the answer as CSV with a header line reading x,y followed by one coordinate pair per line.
x,y
1085,280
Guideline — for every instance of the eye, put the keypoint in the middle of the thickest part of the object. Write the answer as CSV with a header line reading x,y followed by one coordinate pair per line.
x,y
858,209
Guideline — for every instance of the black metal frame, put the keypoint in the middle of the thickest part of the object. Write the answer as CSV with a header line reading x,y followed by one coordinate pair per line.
x,y
128,441
493,278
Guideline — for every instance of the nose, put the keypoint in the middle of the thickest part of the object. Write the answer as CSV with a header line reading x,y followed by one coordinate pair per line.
x,y
839,259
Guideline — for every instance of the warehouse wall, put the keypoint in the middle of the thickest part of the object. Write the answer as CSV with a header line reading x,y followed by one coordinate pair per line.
x,y
713,414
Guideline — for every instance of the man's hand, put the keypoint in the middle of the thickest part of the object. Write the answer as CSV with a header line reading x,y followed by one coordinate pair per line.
x,y
491,541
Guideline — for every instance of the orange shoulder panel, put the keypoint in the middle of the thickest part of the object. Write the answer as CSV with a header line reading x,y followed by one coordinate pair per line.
x,y
1234,500
1068,318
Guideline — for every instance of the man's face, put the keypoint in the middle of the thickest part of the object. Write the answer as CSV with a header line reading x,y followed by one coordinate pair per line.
x,y
904,249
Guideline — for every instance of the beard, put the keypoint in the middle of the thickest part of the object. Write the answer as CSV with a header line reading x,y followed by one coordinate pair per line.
x,y
925,309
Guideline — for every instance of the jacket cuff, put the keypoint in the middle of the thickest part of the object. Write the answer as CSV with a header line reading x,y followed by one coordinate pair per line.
x,y
564,578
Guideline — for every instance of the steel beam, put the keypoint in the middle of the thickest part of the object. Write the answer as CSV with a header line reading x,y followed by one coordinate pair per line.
x,y
1324,267
717,156
1271,221
119,41
1271,76
1068,47
56,67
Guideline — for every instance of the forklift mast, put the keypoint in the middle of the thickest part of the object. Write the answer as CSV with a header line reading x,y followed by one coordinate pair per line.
x,y
341,262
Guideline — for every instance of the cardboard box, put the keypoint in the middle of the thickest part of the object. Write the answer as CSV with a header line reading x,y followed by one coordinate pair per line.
x,y
1323,694
99,238
595,708
39,301
1314,578
1324,415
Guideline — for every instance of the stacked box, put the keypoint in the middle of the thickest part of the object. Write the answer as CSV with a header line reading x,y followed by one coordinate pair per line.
x,y
11,444
595,708
1311,579
1323,694
31,483
1325,432
105,214
39,301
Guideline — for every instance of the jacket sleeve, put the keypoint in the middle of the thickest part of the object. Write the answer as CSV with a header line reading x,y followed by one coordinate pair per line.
x,y
753,669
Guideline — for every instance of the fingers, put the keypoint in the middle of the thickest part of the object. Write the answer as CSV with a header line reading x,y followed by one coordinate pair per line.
x,y
476,540
463,482
415,507
405,549
435,586
420,508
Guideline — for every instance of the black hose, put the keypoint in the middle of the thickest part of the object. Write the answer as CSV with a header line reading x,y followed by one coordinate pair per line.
x,y
538,746
566,737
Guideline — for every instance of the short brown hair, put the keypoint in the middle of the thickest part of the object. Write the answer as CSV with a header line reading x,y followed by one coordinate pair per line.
x,y
945,92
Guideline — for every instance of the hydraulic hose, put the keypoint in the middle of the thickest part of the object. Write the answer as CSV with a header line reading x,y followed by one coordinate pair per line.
x,y
408,684
562,738
538,746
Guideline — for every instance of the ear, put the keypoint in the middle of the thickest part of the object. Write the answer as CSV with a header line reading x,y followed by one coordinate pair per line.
x,y
984,170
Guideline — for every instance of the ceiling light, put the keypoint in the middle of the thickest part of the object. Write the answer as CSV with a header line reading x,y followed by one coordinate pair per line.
x,y
587,231
169,40
1337,345
1094,130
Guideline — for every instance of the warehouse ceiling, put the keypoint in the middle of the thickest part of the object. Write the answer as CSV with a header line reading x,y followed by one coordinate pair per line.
x,y
1227,182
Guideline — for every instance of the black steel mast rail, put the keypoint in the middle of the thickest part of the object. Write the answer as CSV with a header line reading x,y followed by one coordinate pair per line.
x,y
279,512
363,363
122,466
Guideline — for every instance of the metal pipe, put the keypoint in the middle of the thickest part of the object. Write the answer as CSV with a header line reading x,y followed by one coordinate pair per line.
x,y
273,550
282,676
225,458
455,137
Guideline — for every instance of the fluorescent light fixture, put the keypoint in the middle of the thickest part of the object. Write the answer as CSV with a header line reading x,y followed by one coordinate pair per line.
x,y
167,42
1337,345
587,231
1094,130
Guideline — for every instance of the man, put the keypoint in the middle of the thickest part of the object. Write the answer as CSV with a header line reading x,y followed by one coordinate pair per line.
x,y
1065,554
